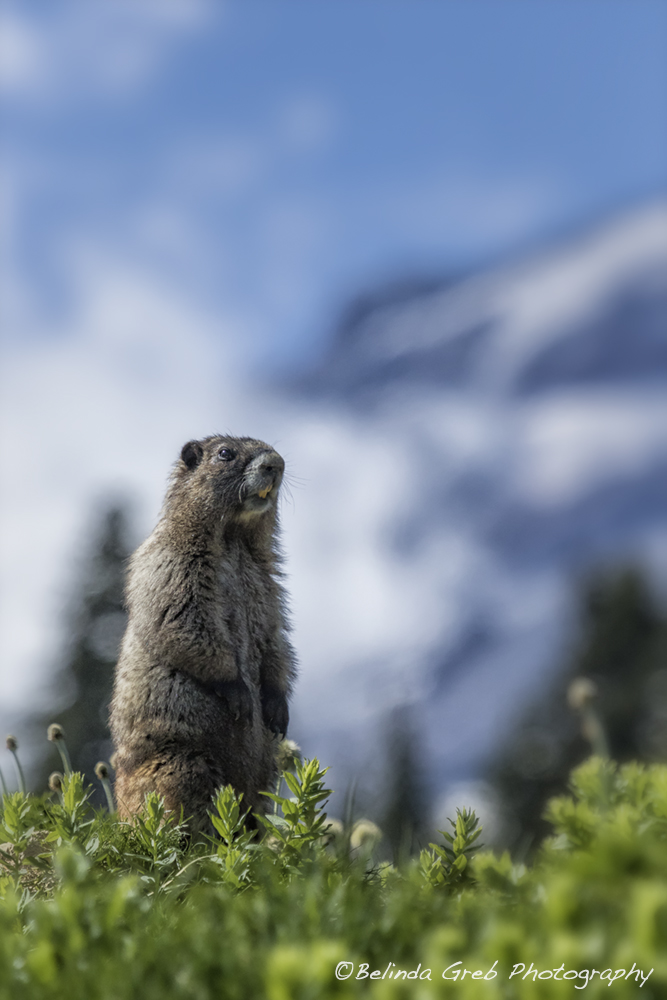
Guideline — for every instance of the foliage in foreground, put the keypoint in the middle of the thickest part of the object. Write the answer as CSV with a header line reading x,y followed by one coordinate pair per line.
x,y
96,909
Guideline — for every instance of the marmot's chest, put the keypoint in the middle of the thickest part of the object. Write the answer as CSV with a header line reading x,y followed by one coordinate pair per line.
x,y
246,599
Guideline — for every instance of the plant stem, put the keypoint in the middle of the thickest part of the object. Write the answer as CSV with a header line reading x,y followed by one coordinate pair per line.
x,y
19,771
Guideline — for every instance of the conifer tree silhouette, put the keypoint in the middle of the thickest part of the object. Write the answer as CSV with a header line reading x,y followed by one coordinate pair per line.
x,y
622,648
404,820
83,685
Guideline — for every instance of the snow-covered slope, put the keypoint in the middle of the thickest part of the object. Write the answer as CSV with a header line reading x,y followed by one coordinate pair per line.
x,y
593,310
472,449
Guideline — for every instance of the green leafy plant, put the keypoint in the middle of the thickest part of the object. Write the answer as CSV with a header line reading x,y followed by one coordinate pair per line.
x,y
303,822
73,820
22,851
233,854
154,844
448,865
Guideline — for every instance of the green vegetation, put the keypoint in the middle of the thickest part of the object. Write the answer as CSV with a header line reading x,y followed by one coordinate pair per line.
x,y
94,908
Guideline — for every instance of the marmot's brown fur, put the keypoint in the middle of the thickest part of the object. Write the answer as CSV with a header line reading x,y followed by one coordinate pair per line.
x,y
206,666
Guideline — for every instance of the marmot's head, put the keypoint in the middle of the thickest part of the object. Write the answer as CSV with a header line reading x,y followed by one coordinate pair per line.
x,y
229,475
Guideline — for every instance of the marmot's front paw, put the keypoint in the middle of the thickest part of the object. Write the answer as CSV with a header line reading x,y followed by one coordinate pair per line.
x,y
238,697
274,710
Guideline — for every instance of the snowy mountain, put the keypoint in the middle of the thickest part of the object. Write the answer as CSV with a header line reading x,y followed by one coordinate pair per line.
x,y
589,312
475,447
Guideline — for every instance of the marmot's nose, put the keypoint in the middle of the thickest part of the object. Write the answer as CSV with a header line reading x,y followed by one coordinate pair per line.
x,y
271,462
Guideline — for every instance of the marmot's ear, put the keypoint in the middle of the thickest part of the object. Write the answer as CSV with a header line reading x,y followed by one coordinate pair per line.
x,y
192,454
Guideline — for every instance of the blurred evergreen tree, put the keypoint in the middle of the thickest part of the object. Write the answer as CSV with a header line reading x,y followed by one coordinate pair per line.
x,y
623,649
404,820
83,685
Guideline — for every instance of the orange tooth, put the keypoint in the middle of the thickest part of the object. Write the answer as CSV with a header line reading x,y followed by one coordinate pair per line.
x,y
265,493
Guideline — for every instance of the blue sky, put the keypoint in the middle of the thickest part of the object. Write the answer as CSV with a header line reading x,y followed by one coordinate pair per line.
x,y
272,159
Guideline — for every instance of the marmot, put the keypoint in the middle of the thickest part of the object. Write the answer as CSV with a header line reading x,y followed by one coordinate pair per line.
x,y
206,666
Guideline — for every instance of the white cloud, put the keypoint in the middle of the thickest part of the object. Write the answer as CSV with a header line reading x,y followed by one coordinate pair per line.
x,y
21,53
77,50
308,122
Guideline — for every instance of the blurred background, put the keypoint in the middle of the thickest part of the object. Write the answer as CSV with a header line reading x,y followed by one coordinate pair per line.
x,y
422,249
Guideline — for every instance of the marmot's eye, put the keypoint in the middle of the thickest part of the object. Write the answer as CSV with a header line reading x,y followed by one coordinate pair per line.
x,y
226,454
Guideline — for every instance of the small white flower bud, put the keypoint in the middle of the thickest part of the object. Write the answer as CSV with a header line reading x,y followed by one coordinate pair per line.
x,y
288,754
56,781
364,832
581,692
